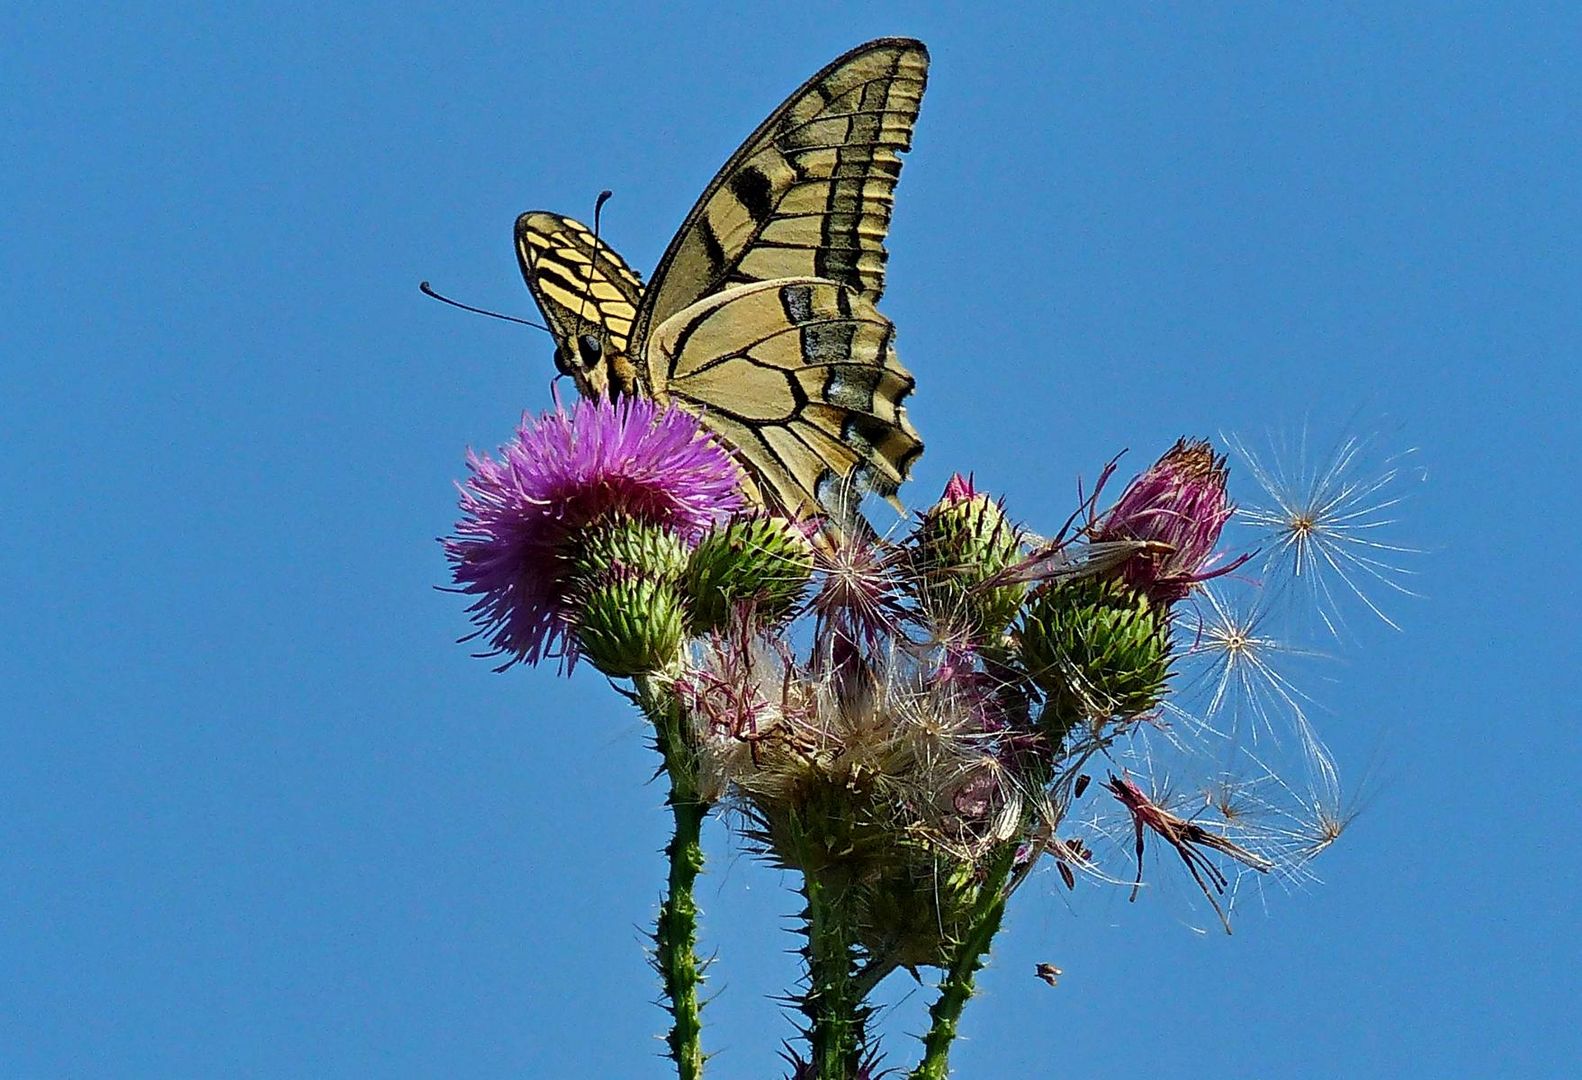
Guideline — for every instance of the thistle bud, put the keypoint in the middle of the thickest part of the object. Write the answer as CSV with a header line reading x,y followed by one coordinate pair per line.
x,y
621,544
627,625
765,562
624,603
962,542
1097,649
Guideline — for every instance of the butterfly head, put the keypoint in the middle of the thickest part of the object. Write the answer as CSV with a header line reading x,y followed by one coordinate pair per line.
x,y
578,355
598,367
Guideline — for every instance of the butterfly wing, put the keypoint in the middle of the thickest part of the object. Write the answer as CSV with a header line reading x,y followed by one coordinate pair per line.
x,y
760,315
809,193
799,376
582,288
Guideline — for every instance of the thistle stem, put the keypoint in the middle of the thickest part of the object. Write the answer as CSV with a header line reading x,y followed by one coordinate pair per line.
x,y
957,987
676,931
833,1002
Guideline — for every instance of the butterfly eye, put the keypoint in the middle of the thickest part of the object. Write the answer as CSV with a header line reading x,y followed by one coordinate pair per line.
x,y
566,359
590,348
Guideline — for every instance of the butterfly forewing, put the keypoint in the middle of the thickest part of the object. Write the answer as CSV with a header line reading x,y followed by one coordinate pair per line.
x,y
809,193
800,377
581,287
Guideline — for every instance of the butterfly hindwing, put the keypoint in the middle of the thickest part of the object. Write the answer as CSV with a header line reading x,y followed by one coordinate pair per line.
x,y
809,193
800,377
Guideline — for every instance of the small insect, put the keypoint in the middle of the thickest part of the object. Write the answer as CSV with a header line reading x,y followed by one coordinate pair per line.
x,y
1049,973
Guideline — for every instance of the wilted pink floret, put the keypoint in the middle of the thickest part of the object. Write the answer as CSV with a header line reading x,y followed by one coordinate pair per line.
x,y
1179,501
967,691
557,476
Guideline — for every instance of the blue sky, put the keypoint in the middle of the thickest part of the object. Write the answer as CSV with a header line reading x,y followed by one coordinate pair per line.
x,y
261,816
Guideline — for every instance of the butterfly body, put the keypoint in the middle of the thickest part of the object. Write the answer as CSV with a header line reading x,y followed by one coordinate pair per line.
x,y
760,315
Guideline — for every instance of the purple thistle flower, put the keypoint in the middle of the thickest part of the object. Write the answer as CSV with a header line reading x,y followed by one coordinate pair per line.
x,y
1179,503
524,512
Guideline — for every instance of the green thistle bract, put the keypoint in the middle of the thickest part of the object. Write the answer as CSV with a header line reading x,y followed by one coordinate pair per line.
x,y
914,916
629,625
765,562
625,545
624,601
1097,649
905,898
962,542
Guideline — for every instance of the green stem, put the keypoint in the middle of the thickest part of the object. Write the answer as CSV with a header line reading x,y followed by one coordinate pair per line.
x,y
833,1003
676,933
957,987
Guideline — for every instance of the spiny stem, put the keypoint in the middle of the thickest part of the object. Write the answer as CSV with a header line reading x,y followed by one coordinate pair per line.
x,y
833,1003
676,932
957,987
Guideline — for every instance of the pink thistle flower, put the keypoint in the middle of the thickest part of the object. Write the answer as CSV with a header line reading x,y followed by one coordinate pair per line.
x,y
1178,505
524,512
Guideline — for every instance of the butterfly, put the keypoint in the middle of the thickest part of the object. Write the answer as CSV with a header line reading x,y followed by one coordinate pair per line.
x,y
760,315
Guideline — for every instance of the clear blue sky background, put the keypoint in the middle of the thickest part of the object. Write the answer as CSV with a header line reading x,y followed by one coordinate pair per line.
x,y
261,816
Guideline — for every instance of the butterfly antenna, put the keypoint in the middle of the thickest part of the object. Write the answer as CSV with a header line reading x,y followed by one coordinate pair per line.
x,y
587,278
428,290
